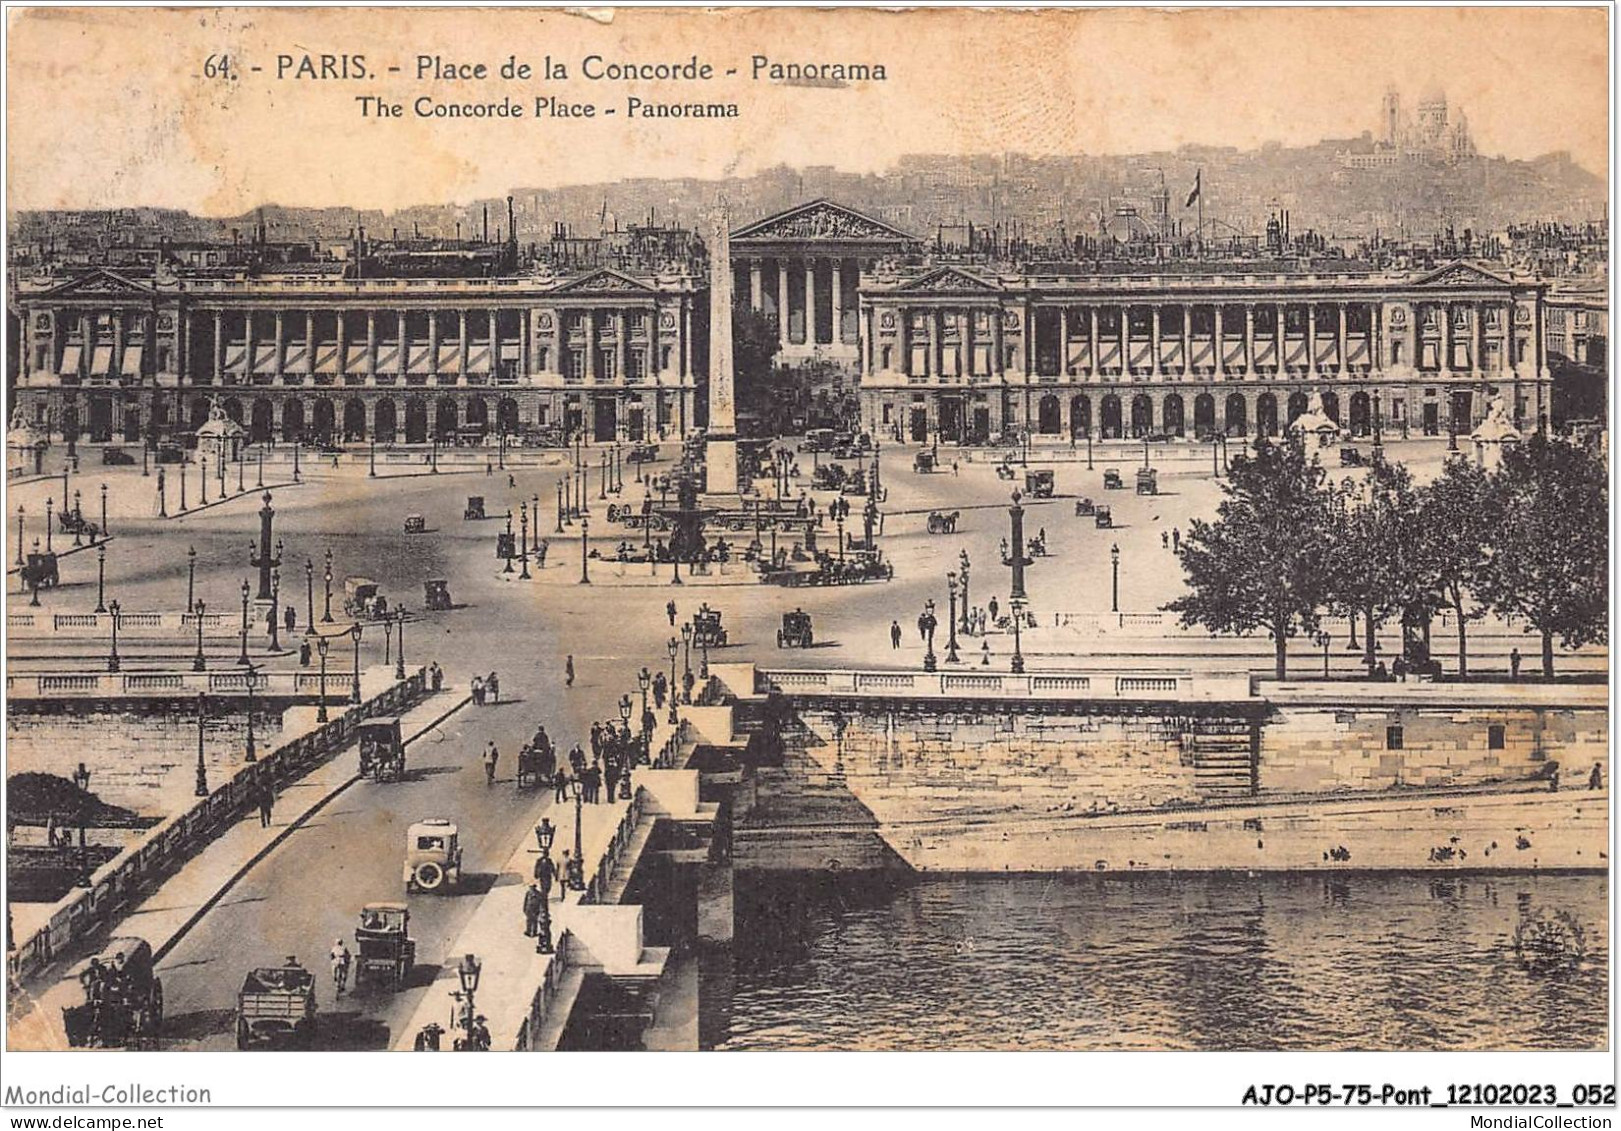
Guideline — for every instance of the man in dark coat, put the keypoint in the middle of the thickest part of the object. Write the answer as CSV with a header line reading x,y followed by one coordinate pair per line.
x,y
532,900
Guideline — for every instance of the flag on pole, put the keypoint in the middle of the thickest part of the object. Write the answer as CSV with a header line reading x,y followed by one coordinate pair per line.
x,y
1198,176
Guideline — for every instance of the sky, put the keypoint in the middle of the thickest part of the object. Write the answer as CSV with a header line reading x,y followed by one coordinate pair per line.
x,y
111,107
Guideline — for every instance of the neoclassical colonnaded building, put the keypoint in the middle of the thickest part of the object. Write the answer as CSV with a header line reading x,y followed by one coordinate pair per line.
x,y
954,351
957,352
325,359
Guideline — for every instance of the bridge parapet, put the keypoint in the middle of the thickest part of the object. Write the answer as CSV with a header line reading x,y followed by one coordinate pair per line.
x,y
1101,684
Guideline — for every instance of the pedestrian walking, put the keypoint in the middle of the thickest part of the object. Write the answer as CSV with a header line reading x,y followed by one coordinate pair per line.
x,y
489,466
1176,539
993,607
895,634
560,787
568,671
610,771
493,687
290,618
1165,539
491,757
532,902
436,676
340,966
1514,664
669,611
540,553
545,873
267,801
658,691
478,692
1595,780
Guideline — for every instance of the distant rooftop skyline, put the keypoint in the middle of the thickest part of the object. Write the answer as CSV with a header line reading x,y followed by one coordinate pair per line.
x,y
106,108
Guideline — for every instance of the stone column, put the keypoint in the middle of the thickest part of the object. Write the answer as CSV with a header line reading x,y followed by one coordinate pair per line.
x,y
686,341
404,360
559,339
1125,341
461,345
343,345
621,345
868,352
1249,339
495,344
838,300
1093,337
782,301
1187,338
87,352
1477,312
278,348
905,339
654,364
1281,333
1311,339
998,345
756,287
591,344
1063,340
371,343
1216,344
1446,338
219,346
433,348
1506,356
810,302
1155,370
309,343
1344,341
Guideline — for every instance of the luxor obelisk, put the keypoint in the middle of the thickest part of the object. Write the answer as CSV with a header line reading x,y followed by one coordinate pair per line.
x,y
720,442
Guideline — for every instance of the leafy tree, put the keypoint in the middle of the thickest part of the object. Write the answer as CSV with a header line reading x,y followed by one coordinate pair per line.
x,y
1454,529
1263,563
1372,572
755,342
1549,558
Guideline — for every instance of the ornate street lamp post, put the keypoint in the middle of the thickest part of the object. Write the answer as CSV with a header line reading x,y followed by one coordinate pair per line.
x,y
686,653
249,679
508,554
399,667
309,595
1114,559
321,645
202,477
523,546
101,578
674,647
1018,620
951,621
560,508
198,663
962,570
112,657
81,778
576,866
49,502
191,578
202,767
104,512
275,610
326,616
545,833
927,623
354,686
467,972
20,558
585,551
246,589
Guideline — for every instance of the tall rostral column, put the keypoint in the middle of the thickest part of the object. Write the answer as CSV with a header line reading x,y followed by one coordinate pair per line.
x,y
720,446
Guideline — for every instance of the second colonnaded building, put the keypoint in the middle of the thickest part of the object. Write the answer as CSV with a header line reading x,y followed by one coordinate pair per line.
x,y
937,348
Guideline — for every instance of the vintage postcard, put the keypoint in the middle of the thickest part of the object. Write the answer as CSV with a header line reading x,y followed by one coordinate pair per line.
x,y
538,529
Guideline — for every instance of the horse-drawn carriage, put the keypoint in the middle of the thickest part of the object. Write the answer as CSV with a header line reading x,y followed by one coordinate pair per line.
x,y
122,1004
363,599
474,509
829,570
1352,457
707,631
40,571
1004,470
537,762
436,594
383,944
382,753
855,483
829,477
941,523
795,631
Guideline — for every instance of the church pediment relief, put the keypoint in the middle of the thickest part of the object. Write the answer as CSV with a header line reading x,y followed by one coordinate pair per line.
x,y
820,220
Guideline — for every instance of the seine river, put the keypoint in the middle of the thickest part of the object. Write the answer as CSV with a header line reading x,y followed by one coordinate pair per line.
x,y
1375,961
